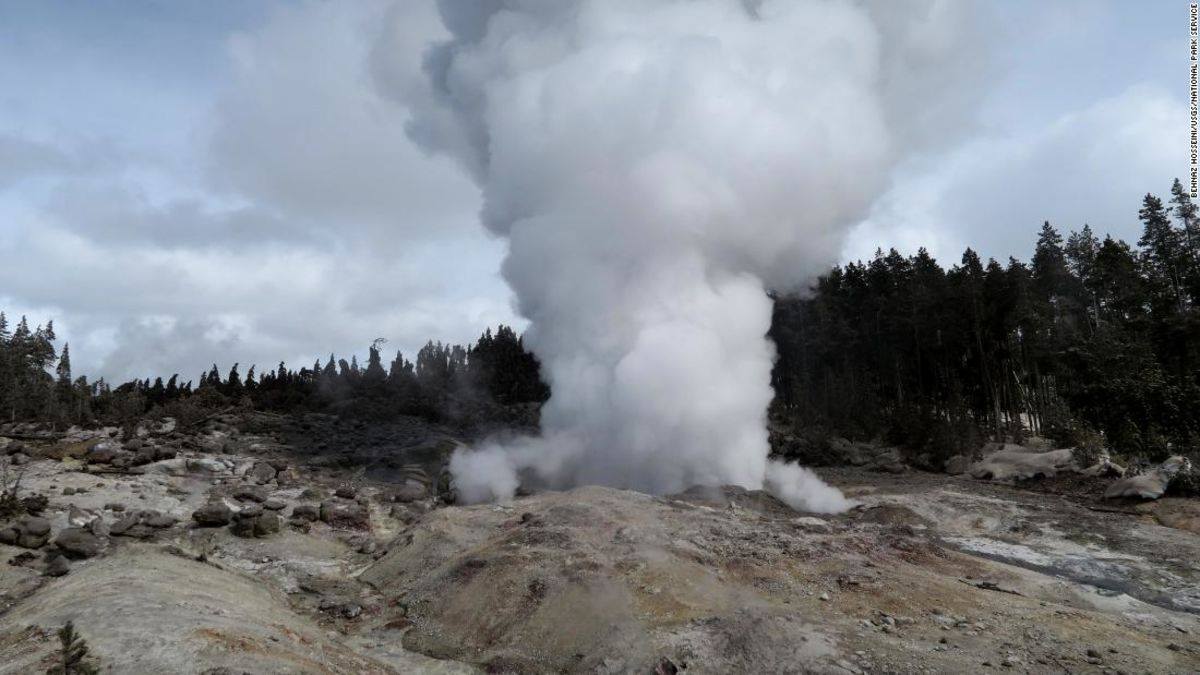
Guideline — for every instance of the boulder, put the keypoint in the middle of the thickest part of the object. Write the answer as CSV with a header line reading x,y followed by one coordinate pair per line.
x,y
254,521
251,493
142,524
29,532
308,512
56,565
274,504
76,542
77,517
103,452
1021,464
339,512
266,524
1150,485
957,465
410,491
206,465
213,514
261,473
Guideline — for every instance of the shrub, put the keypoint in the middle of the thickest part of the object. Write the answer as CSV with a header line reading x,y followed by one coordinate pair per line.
x,y
72,654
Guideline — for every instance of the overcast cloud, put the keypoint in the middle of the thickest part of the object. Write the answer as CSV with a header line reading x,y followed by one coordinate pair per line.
x,y
179,187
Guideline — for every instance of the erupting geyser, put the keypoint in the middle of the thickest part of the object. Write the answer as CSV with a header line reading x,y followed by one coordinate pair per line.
x,y
655,165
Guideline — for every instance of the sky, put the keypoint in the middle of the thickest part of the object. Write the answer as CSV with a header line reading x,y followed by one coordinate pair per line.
x,y
190,183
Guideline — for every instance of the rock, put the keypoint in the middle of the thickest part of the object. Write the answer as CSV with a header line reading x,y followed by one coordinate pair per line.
x,y
214,514
141,525
287,477
35,525
32,532
261,473
76,542
19,459
103,453
957,465
1020,464
57,566
346,492
411,491
9,536
115,506
308,512
345,513
98,527
206,465
157,520
77,517
275,504
251,493
253,521
1150,485
266,524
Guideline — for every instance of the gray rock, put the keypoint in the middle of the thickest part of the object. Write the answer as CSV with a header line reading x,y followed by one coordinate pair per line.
x,y
214,514
34,525
957,465
1150,485
307,512
57,566
345,513
411,491
266,524
76,542
103,453
251,493
261,473
206,465
346,492
159,520
274,505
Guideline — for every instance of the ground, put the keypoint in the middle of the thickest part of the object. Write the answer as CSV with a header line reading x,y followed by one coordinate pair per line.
x,y
929,573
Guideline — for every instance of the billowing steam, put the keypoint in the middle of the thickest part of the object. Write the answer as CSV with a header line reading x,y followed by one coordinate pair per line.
x,y
655,165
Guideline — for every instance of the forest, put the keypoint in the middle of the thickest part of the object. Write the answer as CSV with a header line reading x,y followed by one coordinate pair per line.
x,y
1092,342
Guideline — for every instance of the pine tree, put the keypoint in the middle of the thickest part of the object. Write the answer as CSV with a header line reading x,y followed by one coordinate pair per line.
x,y
1162,256
73,654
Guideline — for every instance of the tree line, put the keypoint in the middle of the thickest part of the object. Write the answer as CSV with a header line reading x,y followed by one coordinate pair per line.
x,y
1092,341
445,380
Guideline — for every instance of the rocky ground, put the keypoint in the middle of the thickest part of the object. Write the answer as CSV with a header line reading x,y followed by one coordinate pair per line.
x,y
266,544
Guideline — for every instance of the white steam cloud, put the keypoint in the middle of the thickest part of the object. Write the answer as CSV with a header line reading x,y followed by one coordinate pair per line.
x,y
655,166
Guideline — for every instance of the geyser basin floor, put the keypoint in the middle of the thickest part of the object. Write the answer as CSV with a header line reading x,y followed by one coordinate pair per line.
x,y
603,580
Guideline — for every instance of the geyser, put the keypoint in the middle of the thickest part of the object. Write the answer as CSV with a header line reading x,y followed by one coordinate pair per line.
x,y
655,166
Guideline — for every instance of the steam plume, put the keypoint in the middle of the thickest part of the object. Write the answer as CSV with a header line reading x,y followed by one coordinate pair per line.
x,y
655,165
